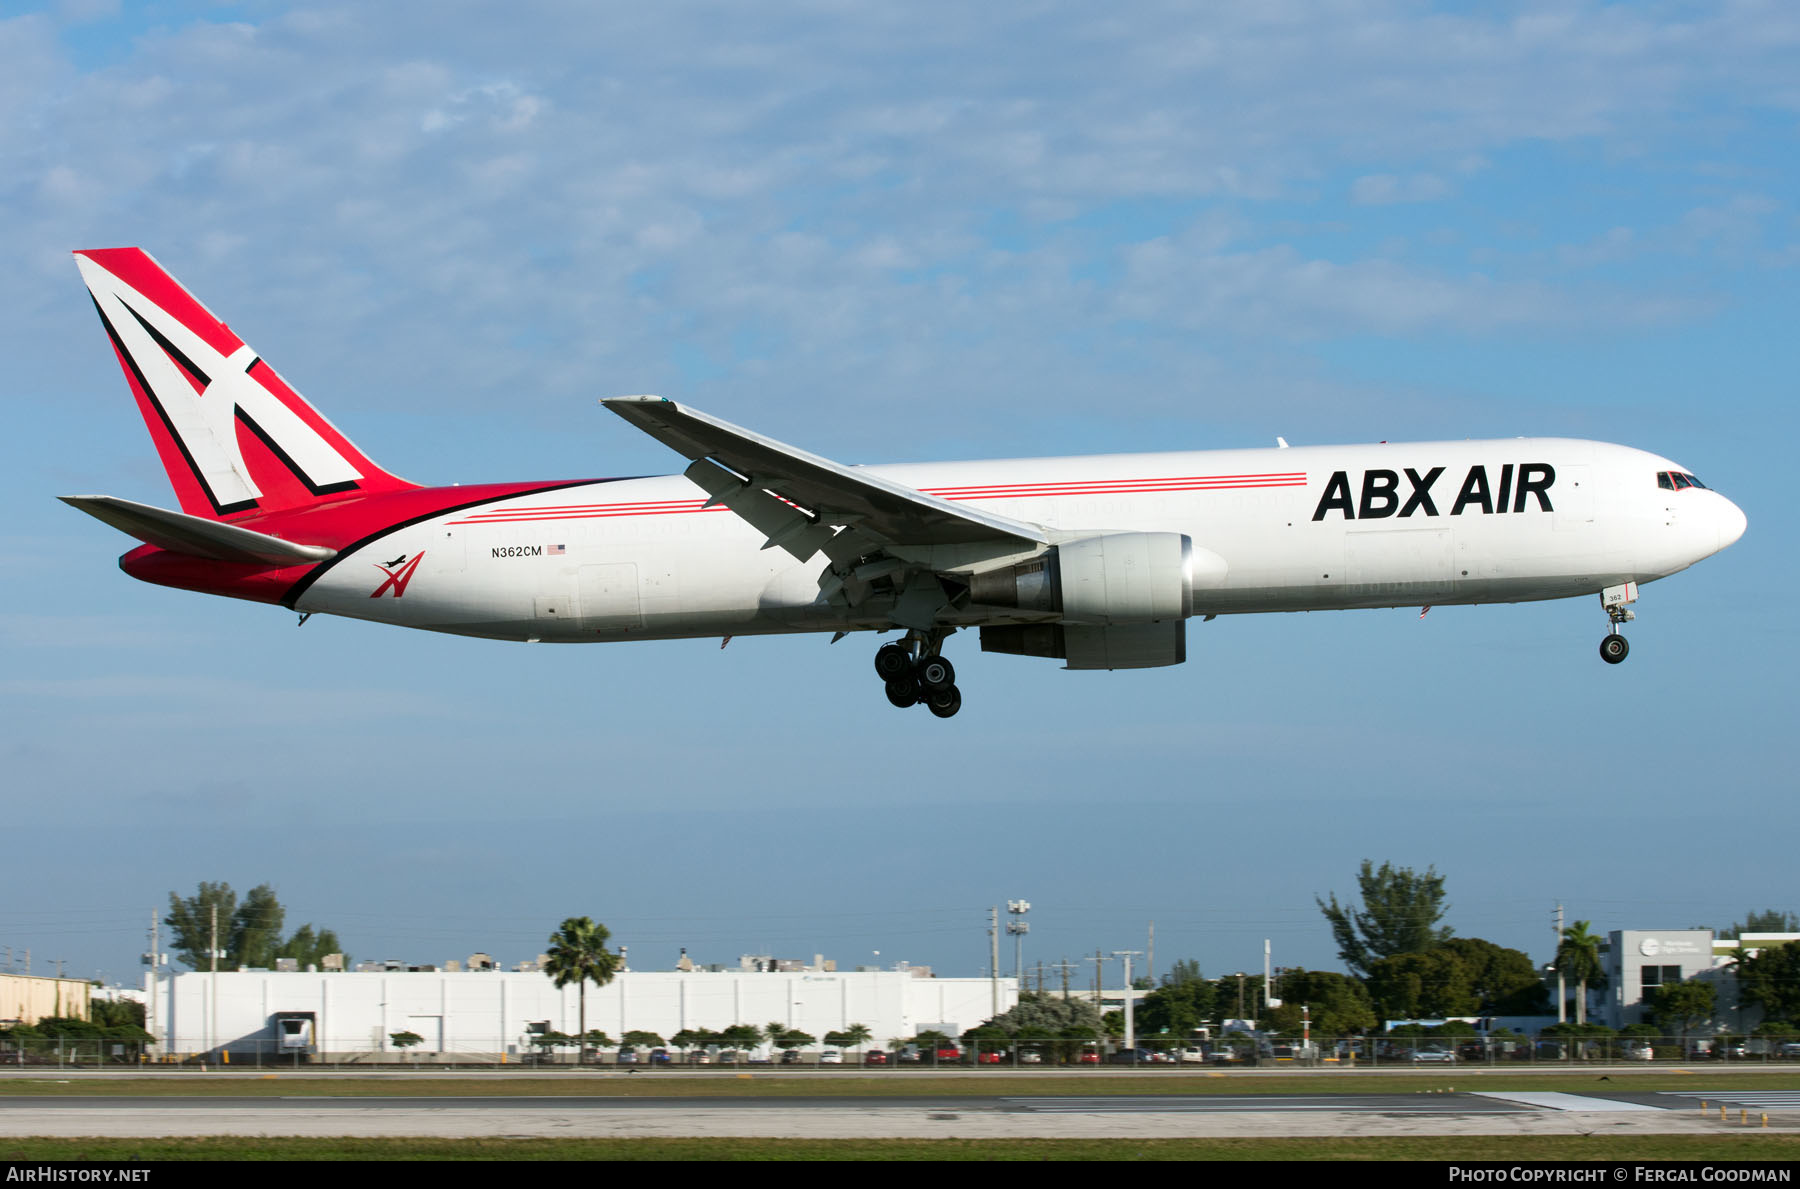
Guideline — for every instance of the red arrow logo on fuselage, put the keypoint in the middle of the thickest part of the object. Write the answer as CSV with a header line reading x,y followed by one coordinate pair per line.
x,y
397,579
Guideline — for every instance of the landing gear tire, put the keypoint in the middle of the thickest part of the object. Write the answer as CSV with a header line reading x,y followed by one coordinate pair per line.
x,y
893,662
936,673
944,702
1614,649
903,693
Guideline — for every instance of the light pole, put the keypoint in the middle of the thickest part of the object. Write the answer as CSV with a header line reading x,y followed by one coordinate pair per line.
x,y
1018,926
1130,999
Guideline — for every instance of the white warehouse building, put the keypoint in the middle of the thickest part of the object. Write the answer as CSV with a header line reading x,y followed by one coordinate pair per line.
x,y
487,1014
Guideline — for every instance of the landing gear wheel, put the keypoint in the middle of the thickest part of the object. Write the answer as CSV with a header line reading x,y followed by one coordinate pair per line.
x,y
1614,649
936,673
944,702
892,662
903,693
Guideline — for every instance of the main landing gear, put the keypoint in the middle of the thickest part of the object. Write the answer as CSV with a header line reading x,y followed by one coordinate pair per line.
x,y
1614,648
914,671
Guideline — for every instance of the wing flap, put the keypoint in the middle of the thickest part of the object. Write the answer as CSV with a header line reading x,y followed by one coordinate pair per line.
x,y
194,535
825,492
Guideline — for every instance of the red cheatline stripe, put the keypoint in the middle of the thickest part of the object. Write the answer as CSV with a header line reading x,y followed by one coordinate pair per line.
x,y
992,492
1280,476
524,517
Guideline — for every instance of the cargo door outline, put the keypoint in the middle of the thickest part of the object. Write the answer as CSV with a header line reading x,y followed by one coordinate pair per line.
x,y
609,598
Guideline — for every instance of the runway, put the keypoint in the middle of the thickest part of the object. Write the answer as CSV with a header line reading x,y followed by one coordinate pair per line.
x,y
934,1117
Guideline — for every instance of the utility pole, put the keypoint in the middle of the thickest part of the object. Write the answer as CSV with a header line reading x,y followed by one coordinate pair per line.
x,y
1562,1004
994,963
1064,967
1150,956
212,1010
150,999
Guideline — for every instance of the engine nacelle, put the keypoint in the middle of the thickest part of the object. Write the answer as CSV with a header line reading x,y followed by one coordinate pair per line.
x,y
1108,580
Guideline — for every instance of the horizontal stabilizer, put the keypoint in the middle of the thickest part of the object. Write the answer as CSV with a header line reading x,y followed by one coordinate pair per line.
x,y
194,535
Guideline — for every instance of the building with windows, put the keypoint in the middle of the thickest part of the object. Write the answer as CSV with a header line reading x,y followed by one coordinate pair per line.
x,y
1638,961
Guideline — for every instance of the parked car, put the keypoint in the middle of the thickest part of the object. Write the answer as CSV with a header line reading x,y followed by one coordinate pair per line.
x,y
700,1057
659,1056
1789,1049
1089,1057
1433,1057
988,1057
790,1056
830,1057
948,1053
627,1056
1193,1055
1226,1057
875,1057
1638,1053
1030,1057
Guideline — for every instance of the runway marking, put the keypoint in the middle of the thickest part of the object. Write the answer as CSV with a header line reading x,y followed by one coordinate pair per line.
x,y
1556,1101
1781,1100
1212,1104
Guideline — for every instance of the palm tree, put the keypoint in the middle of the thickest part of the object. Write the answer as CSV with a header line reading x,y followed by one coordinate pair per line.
x,y
578,954
1578,957
858,1035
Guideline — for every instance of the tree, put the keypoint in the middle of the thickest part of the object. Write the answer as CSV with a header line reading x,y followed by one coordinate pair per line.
x,y
1771,920
308,948
1770,979
249,932
1578,958
1431,984
1503,981
1680,1006
1337,1004
578,955
855,1036
1185,970
1400,915
1037,1010
1179,1008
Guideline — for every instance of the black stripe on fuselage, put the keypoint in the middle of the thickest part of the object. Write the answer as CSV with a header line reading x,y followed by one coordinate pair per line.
x,y
313,575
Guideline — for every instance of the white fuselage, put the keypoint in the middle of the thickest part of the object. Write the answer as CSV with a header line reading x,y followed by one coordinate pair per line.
x,y
1302,529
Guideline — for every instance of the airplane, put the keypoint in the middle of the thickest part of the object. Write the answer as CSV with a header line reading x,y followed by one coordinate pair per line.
x,y
1097,560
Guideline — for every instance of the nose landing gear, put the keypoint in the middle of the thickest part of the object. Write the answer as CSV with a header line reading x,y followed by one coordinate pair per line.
x,y
1614,648
914,671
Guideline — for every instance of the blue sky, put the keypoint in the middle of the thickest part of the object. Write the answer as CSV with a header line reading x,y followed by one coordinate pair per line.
x,y
929,232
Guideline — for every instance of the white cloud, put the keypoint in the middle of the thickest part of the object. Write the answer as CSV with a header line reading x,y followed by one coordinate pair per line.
x,y
1380,189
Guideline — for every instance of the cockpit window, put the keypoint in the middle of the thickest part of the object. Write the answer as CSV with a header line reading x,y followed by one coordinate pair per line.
x,y
1663,481
1678,481
1696,482
1681,480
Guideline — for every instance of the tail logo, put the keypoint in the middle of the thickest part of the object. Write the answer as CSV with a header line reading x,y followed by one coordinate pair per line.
x,y
397,575
203,383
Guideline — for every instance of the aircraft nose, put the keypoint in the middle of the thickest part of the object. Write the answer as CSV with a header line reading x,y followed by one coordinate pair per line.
x,y
1732,522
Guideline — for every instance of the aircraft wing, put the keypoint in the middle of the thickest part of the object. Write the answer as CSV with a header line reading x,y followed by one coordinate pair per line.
x,y
795,498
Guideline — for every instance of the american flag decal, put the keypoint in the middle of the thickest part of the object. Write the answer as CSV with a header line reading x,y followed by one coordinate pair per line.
x,y
555,549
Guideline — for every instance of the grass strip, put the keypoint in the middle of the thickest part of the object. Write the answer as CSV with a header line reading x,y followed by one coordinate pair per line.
x,y
1741,1147
273,1085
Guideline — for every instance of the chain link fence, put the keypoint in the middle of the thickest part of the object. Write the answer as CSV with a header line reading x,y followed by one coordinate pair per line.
x,y
1383,1052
